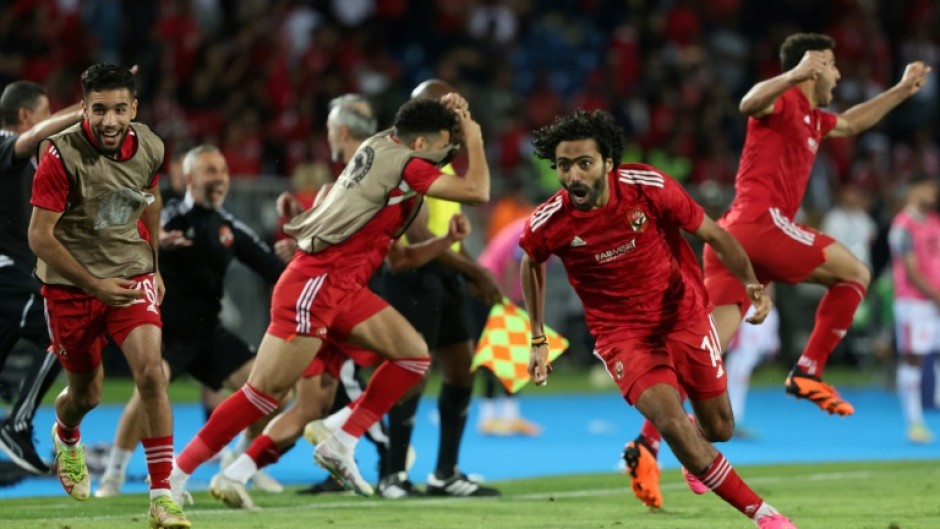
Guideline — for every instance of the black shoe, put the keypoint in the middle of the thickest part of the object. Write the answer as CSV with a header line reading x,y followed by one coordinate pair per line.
x,y
459,486
327,486
398,486
11,474
18,445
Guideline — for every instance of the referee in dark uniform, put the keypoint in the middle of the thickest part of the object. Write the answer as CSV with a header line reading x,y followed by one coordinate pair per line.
x,y
198,242
26,120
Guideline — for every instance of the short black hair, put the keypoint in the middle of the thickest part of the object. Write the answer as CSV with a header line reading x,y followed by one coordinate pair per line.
x,y
424,116
796,45
100,77
582,125
17,95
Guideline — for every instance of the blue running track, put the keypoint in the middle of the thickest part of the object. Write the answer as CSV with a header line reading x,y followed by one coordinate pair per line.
x,y
582,433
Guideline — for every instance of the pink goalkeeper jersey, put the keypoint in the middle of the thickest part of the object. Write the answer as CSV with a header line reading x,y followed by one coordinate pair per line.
x,y
921,235
504,250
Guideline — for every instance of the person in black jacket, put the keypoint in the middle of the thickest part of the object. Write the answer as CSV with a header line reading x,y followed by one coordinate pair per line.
x,y
198,241
26,120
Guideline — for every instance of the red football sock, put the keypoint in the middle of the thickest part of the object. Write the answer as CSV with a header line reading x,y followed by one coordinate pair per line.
x,y
242,408
159,452
263,451
833,319
651,436
67,434
725,482
387,385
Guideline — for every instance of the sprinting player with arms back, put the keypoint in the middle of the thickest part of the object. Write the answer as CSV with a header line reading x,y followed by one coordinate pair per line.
x,y
618,232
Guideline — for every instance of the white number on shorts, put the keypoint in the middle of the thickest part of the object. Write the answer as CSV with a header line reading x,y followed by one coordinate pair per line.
x,y
714,351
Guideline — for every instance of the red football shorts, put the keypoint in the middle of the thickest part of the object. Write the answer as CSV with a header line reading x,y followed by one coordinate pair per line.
x,y
688,360
332,355
79,323
311,306
779,249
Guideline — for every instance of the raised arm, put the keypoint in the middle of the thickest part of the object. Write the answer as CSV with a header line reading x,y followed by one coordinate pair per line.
x,y
28,141
532,275
474,186
731,253
864,115
759,100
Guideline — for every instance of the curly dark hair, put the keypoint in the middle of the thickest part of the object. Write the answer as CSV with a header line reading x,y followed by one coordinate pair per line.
x,y
582,125
796,45
424,116
100,77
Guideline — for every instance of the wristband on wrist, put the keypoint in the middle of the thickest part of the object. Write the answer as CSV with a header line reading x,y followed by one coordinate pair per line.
x,y
540,340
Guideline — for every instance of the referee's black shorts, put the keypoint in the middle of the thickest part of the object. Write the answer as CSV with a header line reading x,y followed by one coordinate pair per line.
x,y
210,356
434,300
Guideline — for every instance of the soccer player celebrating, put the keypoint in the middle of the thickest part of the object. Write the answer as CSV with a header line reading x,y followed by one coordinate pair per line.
x,y
341,243
618,232
96,180
915,265
783,133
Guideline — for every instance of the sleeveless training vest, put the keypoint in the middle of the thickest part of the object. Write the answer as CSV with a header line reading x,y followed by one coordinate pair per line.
x,y
360,192
106,198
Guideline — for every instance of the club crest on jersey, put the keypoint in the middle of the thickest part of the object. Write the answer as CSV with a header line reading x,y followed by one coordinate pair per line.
x,y
637,218
618,370
226,237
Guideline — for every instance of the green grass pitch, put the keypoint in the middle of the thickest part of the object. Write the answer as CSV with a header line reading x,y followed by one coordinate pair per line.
x,y
822,496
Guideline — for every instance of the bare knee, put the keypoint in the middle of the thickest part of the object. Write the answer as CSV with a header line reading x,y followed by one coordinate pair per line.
x,y
416,349
151,380
861,274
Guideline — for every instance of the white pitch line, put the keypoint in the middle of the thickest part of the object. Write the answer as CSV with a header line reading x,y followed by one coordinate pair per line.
x,y
423,502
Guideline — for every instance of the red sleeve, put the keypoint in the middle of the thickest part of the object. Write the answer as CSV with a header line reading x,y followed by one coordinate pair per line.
x,y
827,122
419,174
675,203
782,107
155,181
50,185
534,240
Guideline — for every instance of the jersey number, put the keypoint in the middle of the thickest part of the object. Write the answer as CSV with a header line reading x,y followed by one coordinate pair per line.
x,y
714,351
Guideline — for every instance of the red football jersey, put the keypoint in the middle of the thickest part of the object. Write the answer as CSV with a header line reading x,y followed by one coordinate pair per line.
x,y
777,158
628,262
359,256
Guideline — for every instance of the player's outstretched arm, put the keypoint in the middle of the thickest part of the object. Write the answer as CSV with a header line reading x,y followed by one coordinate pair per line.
x,y
759,100
864,115
731,253
28,141
406,257
533,292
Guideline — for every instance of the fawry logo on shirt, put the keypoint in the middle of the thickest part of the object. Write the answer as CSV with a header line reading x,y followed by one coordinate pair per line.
x,y
615,253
